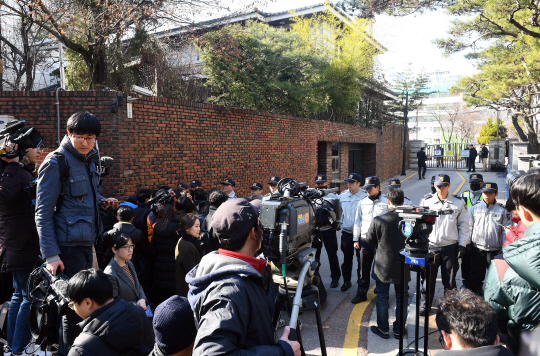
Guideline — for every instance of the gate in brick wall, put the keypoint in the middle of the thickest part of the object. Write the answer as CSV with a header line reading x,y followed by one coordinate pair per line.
x,y
446,155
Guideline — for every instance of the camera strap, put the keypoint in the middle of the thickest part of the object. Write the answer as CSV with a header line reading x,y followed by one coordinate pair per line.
x,y
64,177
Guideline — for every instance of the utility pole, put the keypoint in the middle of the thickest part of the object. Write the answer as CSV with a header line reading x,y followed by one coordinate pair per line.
x,y
497,123
405,113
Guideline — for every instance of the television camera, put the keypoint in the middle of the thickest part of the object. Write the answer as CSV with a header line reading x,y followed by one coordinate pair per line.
x,y
16,133
416,226
48,302
288,219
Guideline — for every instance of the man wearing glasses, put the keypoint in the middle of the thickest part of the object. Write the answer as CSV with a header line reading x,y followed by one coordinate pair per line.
x,y
67,214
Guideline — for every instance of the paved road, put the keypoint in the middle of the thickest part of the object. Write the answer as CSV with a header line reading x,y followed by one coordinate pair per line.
x,y
346,325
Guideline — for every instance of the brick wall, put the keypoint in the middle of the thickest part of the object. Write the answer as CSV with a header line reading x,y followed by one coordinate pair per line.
x,y
170,141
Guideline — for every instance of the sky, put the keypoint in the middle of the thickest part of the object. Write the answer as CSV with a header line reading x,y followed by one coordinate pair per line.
x,y
407,39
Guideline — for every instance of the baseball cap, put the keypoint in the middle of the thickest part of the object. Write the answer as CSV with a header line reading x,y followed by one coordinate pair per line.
x,y
234,219
490,188
354,177
172,315
476,178
256,185
321,178
394,183
371,182
196,183
182,186
442,180
228,182
274,180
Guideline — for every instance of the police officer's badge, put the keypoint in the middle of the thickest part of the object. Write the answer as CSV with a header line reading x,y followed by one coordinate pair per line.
x,y
351,176
441,179
394,183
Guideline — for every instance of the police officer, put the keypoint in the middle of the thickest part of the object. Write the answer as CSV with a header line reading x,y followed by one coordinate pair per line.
x,y
227,185
474,195
395,183
487,220
327,237
374,204
272,186
256,191
350,201
448,239
195,184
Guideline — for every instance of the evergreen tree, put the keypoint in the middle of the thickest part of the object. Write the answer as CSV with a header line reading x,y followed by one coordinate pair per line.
x,y
489,131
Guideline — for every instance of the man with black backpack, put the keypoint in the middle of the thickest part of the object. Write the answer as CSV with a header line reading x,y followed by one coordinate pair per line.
x,y
67,206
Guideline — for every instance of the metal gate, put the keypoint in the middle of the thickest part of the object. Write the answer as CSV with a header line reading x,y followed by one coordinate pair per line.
x,y
446,155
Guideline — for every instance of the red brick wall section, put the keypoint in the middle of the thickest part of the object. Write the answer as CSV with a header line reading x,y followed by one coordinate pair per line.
x,y
169,141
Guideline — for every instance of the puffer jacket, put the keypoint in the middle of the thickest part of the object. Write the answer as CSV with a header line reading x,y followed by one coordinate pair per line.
x,y
77,223
231,309
367,210
19,241
485,222
118,328
517,233
513,283
162,248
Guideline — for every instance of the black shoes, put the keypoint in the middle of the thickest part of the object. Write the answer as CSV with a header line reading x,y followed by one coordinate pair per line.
x,y
335,283
397,335
375,329
346,286
422,311
359,299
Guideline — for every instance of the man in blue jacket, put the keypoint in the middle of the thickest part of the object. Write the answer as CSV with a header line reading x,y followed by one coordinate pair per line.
x,y
67,214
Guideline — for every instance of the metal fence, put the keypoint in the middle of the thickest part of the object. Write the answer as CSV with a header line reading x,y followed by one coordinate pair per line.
x,y
446,155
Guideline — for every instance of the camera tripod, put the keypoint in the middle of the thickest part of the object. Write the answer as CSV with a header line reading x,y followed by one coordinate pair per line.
x,y
305,297
418,263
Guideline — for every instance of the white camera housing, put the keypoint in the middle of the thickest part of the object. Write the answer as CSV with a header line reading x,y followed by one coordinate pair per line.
x,y
141,90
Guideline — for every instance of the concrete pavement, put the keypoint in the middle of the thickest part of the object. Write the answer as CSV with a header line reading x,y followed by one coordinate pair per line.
x,y
345,324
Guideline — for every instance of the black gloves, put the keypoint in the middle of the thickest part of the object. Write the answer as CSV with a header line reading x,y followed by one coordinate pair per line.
x,y
460,252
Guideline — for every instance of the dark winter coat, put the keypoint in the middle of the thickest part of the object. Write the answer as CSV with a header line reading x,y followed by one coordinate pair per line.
x,y
107,241
139,220
421,158
231,309
385,234
473,153
484,152
118,328
19,241
211,242
188,254
492,350
163,246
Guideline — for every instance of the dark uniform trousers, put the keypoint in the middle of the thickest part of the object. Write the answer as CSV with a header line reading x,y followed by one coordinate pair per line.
x,y
365,256
466,266
446,259
328,238
347,247
479,263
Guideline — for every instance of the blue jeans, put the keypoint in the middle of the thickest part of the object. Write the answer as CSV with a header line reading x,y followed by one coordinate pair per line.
x,y
18,330
383,292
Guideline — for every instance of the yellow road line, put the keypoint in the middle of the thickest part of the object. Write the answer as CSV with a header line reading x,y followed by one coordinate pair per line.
x,y
412,175
463,180
350,346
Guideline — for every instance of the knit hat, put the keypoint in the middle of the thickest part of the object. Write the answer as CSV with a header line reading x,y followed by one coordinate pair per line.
x,y
174,325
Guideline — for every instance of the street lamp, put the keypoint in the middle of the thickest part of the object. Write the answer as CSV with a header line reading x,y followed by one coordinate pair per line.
x,y
405,131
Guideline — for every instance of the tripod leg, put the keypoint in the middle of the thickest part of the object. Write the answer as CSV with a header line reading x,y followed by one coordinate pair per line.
x,y
428,308
320,328
402,310
299,338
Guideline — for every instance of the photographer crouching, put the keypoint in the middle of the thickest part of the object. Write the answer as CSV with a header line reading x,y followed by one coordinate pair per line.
x,y
19,241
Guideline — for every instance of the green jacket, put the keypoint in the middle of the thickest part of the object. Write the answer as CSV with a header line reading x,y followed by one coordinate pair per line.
x,y
513,283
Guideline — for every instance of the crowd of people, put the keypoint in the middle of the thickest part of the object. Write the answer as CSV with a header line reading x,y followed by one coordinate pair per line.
x,y
174,270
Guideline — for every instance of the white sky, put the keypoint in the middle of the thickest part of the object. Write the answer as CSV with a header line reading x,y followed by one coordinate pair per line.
x,y
408,39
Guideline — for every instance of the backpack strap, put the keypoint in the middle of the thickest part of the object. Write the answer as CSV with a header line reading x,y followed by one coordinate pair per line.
x,y
64,177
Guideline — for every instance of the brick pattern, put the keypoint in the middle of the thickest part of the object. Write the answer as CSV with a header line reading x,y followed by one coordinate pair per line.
x,y
169,141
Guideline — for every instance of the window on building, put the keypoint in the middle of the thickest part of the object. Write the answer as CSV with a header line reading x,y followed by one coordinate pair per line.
x,y
335,161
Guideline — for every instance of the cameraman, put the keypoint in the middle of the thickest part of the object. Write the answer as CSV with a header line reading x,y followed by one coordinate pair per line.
x,y
19,241
110,326
67,206
226,290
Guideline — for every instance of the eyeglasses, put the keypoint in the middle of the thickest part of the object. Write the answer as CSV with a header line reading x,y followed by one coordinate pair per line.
x,y
71,305
128,247
81,139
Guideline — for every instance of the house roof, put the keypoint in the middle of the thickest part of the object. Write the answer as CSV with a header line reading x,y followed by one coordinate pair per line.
x,y
271,18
